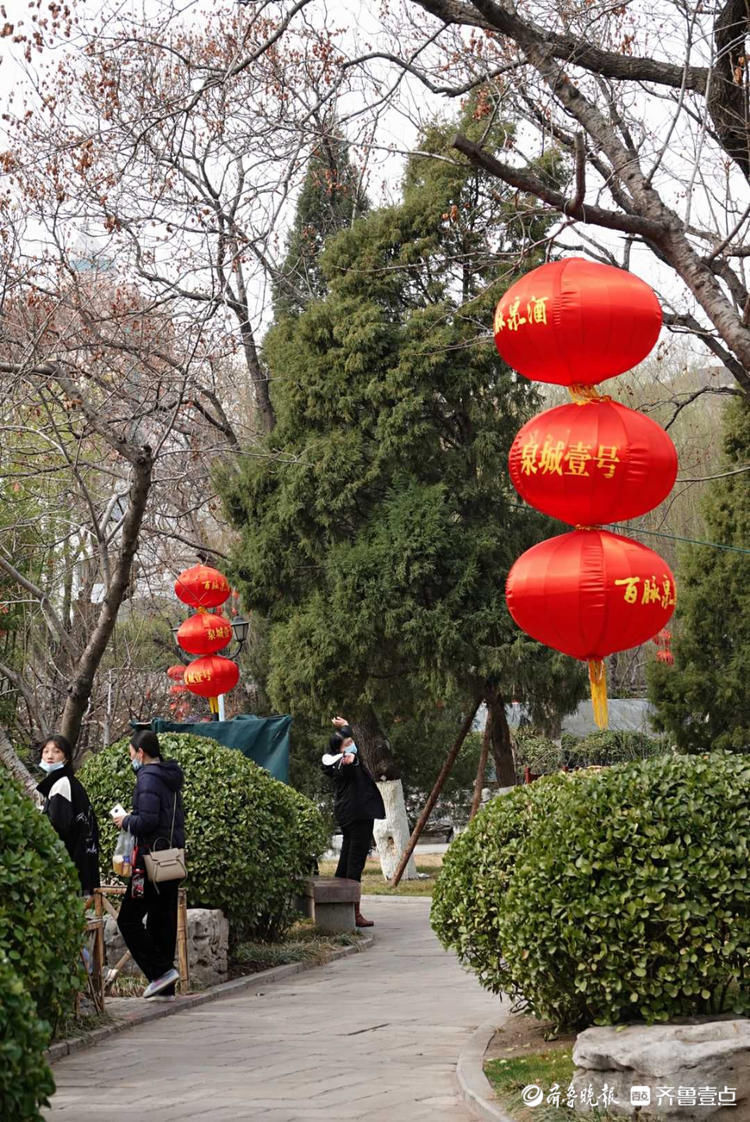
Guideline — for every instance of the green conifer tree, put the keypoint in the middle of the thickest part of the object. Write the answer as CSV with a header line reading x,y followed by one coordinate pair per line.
x,y
330,200
379,539
703,700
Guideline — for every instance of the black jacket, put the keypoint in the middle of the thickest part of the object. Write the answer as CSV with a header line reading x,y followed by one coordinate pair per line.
x,y
155,799
67,806
357,796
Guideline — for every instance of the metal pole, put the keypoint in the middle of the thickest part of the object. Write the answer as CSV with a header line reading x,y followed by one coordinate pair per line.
x,y
444,773
222,711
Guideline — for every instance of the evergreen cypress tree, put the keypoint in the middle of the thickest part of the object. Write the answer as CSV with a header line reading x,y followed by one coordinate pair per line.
x,y
330,200
379,540
703,701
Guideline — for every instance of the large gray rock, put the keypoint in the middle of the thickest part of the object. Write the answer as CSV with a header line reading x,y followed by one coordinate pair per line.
x,y
208,947
690,1071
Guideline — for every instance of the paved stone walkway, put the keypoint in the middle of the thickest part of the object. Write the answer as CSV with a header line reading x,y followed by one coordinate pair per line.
x,y
373,1037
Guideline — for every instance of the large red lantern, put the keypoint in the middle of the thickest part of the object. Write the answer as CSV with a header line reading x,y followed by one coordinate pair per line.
x,y
204,633
591,463
576,322
202,587
176,673
211,676
590,593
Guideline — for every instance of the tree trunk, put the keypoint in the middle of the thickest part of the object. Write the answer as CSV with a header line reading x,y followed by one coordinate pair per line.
x,y
79,690
499,739
481,770
10,760
392,832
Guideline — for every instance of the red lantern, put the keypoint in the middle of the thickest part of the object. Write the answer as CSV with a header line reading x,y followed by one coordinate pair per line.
x,y
178,688
211,676
202,587
176,673
203,633
589,593
591,463
575,322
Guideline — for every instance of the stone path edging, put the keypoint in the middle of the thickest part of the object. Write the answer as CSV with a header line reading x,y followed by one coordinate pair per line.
x,y
151,1012
473,1083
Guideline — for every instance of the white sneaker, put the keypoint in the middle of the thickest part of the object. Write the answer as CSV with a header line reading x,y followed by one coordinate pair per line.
x,y
162,983
162,997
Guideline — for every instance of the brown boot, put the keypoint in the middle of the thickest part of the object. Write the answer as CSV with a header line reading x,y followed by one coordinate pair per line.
x,y
359,919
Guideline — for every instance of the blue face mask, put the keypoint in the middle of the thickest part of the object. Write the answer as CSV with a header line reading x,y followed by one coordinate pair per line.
x,y
50,767
136,764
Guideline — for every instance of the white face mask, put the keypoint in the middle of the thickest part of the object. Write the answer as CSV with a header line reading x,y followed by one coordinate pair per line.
x,y
51,767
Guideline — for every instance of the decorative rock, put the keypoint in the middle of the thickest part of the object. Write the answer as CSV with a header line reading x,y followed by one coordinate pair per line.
x,y
208,947
690,1071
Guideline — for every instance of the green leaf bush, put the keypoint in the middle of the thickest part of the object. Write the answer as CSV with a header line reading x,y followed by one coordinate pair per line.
x,y
249,838
41,935
25,1079
41,909
603,897
609,746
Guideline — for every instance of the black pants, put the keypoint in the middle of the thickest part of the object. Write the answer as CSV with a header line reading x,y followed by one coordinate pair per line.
x,y
354,848
152,945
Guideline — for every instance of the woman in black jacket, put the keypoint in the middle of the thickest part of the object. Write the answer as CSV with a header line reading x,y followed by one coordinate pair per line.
x,y
67,806
157,815
357,803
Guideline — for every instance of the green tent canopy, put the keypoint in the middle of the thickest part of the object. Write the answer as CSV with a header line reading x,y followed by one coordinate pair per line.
x,y
264,739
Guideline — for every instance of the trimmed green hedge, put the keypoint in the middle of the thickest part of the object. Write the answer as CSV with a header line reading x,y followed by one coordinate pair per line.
x,y
41,934
41,909
25,1079
619,895
249,838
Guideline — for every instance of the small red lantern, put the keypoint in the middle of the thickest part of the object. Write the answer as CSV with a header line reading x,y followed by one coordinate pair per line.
x,y
591,463
211,676
202,587
178,688
590,593
203,633
176,673
576,322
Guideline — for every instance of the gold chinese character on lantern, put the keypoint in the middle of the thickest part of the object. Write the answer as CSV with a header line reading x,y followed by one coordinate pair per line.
x,y
528,457
551,458
514,320
607,459
668,597
578,456
631,588
651,591
499,320
536,309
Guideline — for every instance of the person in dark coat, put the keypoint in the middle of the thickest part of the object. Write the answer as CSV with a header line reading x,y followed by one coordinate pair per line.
x,y
157,816
67,806
357,803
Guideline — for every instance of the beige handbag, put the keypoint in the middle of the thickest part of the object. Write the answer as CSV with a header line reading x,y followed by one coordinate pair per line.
x,y
166,864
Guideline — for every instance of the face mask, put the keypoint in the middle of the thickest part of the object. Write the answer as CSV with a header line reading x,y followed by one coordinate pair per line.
x,y
136,764
50,767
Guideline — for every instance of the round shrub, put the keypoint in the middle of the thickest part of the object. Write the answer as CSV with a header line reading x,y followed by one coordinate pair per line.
x,y
628,896
609,746
477,870
249,838
25,1079
41,909
536,751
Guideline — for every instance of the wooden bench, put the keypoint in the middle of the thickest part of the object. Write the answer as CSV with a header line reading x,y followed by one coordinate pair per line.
x,y
331,903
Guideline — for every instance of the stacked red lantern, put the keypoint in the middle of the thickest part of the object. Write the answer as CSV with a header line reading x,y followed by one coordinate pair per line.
x,y
587,593
205,633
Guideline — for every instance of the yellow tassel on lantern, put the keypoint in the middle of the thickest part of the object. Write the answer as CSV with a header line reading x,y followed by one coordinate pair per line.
x,y
213,703
581,395
598,681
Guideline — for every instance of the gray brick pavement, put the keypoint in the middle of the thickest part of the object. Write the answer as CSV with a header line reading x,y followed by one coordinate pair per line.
x,y
371,1038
